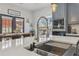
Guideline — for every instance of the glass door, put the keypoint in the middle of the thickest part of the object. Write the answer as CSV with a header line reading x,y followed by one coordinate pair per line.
x,y
6,24
19,25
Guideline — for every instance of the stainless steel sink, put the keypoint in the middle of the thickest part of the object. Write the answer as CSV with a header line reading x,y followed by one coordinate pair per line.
x,y
48,48
52,48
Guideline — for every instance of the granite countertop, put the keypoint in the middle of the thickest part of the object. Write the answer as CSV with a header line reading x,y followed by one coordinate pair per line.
x,y
70,34
65,39
13,34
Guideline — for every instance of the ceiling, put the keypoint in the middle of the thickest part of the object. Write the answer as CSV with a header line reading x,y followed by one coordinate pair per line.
x,y
33,6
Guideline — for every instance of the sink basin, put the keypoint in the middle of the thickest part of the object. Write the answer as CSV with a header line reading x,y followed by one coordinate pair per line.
x,y
53,48
56,48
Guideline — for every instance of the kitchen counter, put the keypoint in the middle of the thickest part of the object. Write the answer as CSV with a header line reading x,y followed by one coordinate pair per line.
x,y
13,34
73,35
65,39
61,42
62,39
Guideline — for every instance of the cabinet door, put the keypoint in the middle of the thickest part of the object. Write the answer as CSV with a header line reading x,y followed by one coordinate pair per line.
x,y
6,24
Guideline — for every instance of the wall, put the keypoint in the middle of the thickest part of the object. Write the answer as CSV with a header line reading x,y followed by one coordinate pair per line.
x,y
24,13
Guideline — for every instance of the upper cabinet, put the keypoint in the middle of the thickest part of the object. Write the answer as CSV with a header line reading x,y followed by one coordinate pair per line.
x,y
60,18
60,11
73,13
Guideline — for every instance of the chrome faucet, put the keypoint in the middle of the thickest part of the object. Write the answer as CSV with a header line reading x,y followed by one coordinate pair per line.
x,y
38,26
